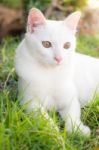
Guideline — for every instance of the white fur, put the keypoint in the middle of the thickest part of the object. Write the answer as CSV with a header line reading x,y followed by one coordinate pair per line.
x,y
42,82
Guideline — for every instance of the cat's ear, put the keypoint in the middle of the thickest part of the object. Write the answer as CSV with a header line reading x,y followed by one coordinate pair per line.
x,y
35,18
72,21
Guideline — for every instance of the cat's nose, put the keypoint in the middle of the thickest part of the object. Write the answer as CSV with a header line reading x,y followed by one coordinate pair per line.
x,y
58,58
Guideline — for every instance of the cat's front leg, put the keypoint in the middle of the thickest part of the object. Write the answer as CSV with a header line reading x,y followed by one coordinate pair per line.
x,y
50,120
39,109
72,118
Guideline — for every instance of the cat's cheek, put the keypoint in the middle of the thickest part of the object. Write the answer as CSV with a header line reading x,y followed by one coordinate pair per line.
x,y
46,58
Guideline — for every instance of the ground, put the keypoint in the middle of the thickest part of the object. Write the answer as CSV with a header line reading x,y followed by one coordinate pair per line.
x,y
19,130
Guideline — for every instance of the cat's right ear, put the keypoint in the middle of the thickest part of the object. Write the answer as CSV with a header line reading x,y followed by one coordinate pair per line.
x,y
72,21
35,18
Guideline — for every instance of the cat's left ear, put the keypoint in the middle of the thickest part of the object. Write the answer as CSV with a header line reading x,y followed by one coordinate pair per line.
x,y
35,18
72,21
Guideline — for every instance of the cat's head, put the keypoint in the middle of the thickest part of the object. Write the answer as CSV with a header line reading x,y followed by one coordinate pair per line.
x,y
51,42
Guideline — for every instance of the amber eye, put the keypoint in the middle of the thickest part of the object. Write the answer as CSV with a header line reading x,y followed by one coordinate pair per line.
x,y
67,45
46,44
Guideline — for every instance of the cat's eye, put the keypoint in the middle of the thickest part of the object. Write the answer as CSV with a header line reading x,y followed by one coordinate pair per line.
x,y
67,45
46,44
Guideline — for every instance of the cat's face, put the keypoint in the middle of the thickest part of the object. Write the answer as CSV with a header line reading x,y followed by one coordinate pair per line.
x,y
51,42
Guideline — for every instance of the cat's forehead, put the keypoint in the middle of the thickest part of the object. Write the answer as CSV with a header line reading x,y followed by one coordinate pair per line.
x,y
55,26
55,30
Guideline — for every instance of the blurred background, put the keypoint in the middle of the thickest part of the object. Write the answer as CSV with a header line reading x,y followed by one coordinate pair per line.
x,y
13,14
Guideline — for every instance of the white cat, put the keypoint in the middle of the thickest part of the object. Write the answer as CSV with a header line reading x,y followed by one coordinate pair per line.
x,y
51,74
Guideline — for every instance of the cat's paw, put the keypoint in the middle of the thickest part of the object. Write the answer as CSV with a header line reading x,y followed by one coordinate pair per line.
x,y
76,128
85,130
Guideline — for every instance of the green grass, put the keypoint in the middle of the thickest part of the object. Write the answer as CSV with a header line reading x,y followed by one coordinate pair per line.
x,y
12,3
19,130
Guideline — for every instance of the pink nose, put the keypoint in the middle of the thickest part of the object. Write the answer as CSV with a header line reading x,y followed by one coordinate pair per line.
x,y
58,58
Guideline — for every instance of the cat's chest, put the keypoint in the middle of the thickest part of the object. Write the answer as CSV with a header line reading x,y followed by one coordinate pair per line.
x,y
49,78
51,86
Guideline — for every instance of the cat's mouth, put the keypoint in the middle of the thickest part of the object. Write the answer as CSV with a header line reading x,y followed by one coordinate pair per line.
x,y
58,63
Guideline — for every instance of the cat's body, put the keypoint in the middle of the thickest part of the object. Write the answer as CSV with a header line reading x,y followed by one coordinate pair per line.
x,y
86,77
65,83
